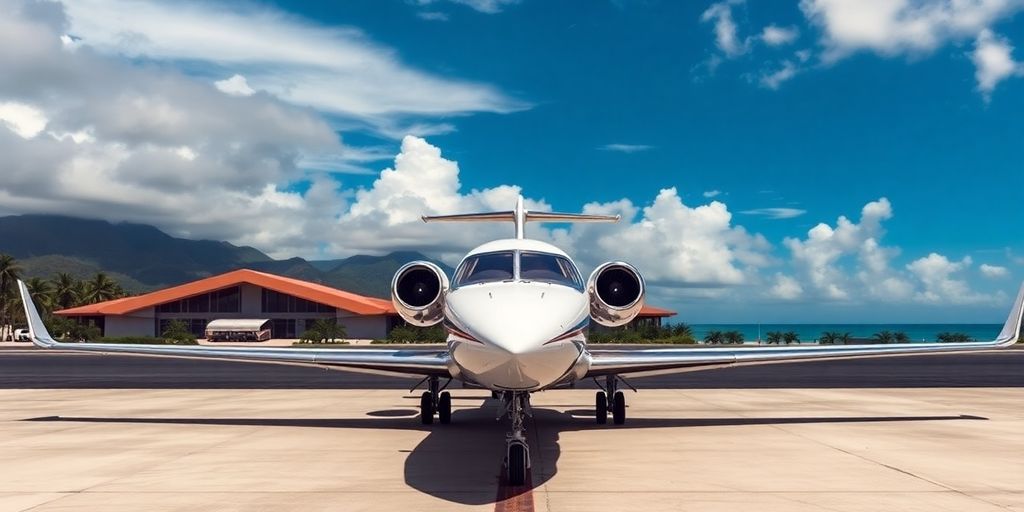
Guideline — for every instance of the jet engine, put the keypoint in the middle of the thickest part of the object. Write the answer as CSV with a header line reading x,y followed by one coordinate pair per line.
x,y
616,293
418,291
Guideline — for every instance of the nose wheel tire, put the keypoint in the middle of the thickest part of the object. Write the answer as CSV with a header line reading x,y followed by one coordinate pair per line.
x,y
517,462
601,408
427,408
619,408
444,408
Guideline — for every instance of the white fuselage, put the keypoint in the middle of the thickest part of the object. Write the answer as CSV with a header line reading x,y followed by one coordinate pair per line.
x,y
517,334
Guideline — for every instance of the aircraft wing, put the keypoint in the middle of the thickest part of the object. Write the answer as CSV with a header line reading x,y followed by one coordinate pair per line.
x,y
626,361
413,362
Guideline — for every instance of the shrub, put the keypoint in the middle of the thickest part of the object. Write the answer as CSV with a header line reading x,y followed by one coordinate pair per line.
x,y
953,337
733,337
410,334
790,337
177,330
773,337
146,340
324,330
714,337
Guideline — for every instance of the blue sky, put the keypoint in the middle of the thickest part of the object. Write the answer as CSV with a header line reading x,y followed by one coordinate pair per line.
x,y
766,118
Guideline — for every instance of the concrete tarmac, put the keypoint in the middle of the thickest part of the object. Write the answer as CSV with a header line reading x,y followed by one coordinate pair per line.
x,y
858,447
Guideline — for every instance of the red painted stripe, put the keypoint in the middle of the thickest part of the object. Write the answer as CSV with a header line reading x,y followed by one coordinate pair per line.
x,y
514,498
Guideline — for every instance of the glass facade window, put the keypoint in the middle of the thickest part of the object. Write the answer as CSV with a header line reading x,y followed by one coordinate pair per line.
x,y
276,302
283,328
197,326
228,300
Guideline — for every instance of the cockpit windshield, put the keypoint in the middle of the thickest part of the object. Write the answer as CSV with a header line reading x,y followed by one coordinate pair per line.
x,y
488,267
531,266
550,268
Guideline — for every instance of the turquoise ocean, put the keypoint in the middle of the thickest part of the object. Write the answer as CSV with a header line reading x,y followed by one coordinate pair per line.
x,y
811,332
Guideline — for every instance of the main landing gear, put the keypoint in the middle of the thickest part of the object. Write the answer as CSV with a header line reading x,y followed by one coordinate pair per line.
x,y
611,398
517,452
435,400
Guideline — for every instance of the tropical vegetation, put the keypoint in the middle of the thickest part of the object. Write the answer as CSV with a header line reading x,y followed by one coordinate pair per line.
x,y
953,337
324,330
890,337
834,338
779,337
61,292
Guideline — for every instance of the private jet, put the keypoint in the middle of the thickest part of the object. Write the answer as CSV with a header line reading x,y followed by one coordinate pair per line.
x,y
516,313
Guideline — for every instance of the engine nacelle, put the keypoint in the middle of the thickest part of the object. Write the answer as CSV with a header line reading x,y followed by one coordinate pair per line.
x,y
418,291
616,293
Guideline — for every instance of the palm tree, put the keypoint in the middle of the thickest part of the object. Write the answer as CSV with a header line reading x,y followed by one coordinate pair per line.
x,y
102,288
884,336
733,337
65,291
10,272
682,330
41,293
713,337
828,338
900,337
773,337
791,337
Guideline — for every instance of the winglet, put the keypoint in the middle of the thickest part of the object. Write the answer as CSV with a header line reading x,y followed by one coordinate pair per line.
x,y
36,329
1013,329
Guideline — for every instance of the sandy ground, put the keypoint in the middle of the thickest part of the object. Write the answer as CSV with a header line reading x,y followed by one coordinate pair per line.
x,y
716,449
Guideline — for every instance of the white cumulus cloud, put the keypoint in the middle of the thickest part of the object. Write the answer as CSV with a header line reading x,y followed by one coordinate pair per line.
x,y
939,277
236,85
726,37
774,35
900,27
785,288
993,62
711,193
993,271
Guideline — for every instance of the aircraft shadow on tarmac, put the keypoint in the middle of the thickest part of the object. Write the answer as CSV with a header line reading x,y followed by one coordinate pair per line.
x,y
455,462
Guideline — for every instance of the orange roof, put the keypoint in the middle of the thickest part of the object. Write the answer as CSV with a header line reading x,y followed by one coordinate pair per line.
x,y
302,289
653,311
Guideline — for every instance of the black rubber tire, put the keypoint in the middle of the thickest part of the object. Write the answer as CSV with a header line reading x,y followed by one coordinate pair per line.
x,y
426,408
516,464
601,408
444,408
619,408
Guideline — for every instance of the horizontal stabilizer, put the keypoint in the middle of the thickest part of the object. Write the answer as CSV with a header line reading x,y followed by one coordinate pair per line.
x,y
520,216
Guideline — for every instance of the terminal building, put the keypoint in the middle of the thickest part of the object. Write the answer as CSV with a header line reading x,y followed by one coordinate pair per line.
x,y
290,305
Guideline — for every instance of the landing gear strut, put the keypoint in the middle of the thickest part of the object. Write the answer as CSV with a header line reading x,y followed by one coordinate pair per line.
x,y
610,398
517,458
435,400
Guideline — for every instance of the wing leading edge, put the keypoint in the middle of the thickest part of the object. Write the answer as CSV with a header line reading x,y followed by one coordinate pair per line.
x,y
610,362
414,362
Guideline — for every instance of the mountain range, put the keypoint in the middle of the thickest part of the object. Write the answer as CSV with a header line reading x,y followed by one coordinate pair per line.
x,y
143,258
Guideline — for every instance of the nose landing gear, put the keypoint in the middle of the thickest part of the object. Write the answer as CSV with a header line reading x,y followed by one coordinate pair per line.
x,y
435,400
517,452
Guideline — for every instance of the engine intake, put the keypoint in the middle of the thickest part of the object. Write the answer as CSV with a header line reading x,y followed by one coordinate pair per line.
x,y
418,291
616,293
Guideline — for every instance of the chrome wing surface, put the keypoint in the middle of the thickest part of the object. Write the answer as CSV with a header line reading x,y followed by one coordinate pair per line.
x,y
412,362
626,361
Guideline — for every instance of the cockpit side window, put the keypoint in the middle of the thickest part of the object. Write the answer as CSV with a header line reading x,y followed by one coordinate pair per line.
x,y
484,268
551,268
